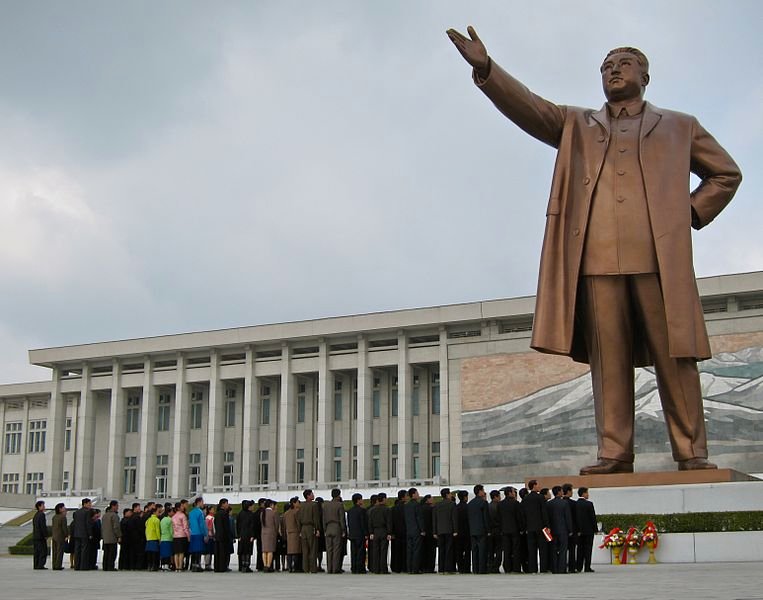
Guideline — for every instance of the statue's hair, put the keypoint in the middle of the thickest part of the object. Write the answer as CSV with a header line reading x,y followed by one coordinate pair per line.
x,y
640,56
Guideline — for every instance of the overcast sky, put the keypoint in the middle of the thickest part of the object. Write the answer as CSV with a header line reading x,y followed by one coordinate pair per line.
x,y
181,166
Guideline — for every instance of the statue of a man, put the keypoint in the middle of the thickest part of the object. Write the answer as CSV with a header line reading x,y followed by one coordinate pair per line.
x,y
616,287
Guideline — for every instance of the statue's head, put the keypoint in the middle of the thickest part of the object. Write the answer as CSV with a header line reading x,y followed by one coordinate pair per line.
x,y
624,74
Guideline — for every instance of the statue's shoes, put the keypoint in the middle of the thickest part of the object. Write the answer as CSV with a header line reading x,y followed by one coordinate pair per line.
x,y
695,464
605,466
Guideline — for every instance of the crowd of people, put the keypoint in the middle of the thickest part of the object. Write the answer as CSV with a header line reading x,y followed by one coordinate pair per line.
x,y
529,530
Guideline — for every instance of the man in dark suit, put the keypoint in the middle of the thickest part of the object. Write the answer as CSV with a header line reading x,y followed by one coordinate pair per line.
x,y
510,516
479,528
587,526
398,563
560,518
357,531
223,537
536,518
83,535
428,543
494,541
463,543
414,531
445,528
572,543
40,536
380,533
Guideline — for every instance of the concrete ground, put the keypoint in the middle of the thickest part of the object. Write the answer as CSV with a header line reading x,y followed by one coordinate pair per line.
x,y
730,581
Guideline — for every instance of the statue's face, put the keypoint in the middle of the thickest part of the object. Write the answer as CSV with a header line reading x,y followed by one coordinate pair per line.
x,y
622,77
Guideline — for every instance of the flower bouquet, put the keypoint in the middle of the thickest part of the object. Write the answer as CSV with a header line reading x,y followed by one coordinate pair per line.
x,y
614,540
633,543
650,538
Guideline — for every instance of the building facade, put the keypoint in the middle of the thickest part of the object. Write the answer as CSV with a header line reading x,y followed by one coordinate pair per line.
x,y
448,394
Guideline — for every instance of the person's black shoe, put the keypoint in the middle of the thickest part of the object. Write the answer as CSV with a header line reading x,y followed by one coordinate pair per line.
x,y
590,571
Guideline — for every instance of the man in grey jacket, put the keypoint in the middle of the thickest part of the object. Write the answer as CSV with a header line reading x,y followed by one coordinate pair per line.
x,y
111,531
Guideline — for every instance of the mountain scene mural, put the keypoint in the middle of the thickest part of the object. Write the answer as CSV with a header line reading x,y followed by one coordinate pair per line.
x,y
551,431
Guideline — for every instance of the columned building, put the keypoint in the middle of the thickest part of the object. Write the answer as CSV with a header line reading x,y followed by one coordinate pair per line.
x,y
399,396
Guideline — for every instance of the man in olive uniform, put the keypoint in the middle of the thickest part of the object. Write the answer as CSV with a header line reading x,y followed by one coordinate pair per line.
x,y
380,533
335,526
309,521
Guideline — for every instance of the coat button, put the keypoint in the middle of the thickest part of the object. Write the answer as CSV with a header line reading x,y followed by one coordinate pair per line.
x,y
621,150
620,172
576,232
621,198
586,181
601,138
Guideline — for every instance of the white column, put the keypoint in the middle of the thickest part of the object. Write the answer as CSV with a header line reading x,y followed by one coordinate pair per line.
x,y
365,412
85,434
250,443
287,420
215,430
181,433
325,429
115,465
444,409
56,431
148,425
404,409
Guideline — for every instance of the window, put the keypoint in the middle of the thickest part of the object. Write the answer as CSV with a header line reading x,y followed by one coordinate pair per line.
x,y
162,460
163,422
65,481
415,396
194,478
133,414
10,483
300,465
68,435
435,393
393,467
33,483
265,411
337,400
394,399
197,408
376,471
354,398
130,474
36,437
416,469
230,413
376,401
264,467
228,475
415,447
301,408
13,438
435,459
337,463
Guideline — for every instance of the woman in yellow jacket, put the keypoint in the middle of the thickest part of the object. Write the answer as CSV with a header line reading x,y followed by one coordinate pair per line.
x,y
153,535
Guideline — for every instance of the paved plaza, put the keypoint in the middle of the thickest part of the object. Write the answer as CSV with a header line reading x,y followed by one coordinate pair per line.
x,y
730,581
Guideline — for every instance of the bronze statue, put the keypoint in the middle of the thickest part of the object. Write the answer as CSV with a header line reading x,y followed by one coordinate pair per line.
x,y
616,287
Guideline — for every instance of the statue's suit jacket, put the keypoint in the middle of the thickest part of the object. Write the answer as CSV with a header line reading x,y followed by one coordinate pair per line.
x,y
672,145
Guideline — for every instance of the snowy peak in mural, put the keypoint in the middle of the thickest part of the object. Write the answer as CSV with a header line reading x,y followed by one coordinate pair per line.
x,y
553,431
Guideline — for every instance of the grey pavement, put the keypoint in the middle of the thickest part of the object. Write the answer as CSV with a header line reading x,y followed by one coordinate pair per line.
x,y
730,581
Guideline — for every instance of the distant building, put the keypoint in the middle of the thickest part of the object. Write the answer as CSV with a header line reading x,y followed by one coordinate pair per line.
x,y
448,394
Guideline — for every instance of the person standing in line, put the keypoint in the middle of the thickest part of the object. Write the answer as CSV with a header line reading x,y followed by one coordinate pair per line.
x,y
536,518
428,543
510,514
166,537
269,535
523,491
95,515
587,526
209,539
463,543
398,562
479,529
291,531
111,531
380,533
40,536
572,544
245,531
181,535
83,535
223,538
320,547
60,535
445,530
494,540
258,533
560,520
198,528
153,537
544,547
414,531
125,551
335,527
308,519
357,532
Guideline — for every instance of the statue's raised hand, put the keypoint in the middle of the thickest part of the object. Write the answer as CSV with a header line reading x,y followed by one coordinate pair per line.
x,y
473,50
